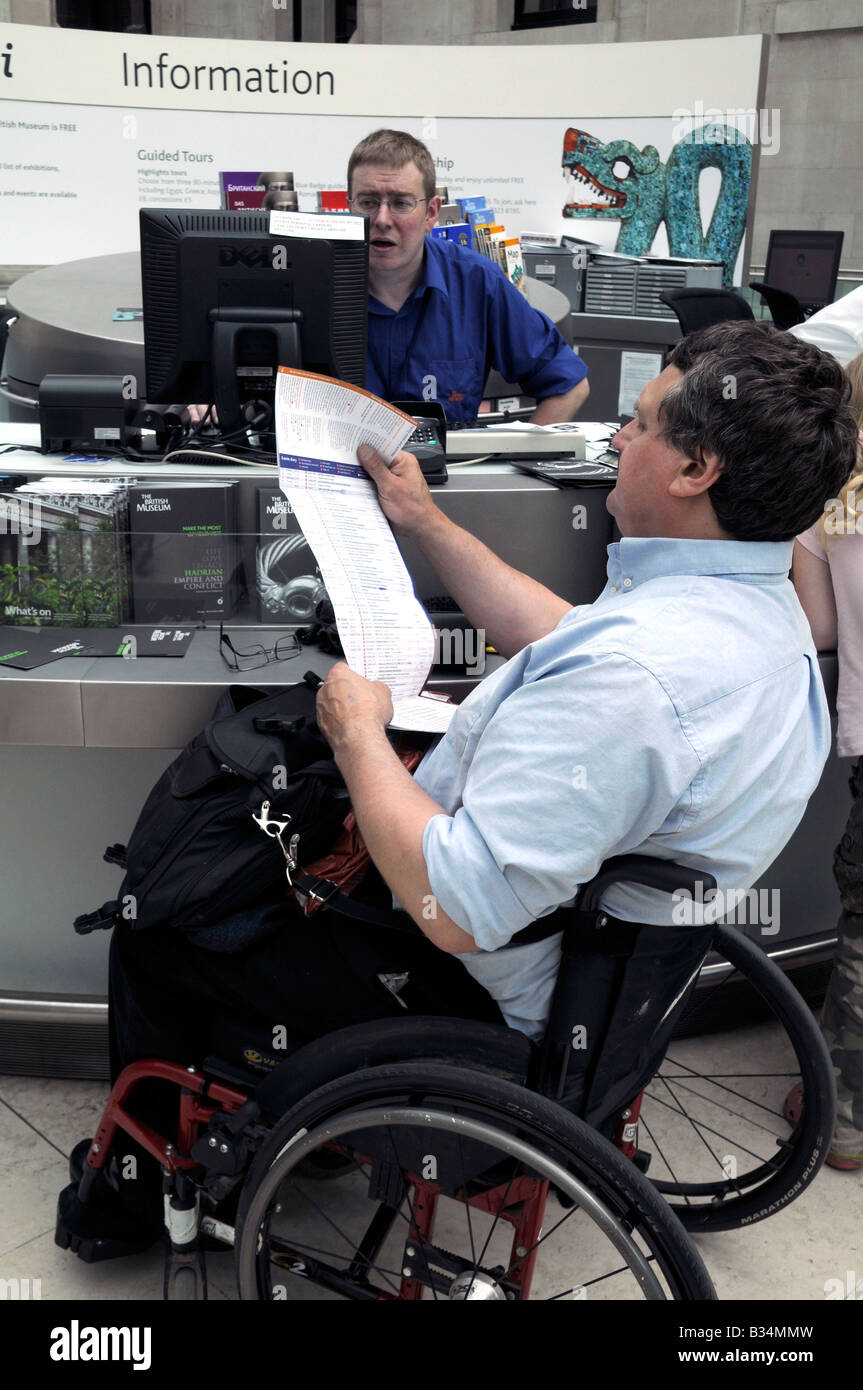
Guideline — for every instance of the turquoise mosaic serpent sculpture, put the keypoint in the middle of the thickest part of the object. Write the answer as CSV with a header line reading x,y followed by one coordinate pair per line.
x,y
619,181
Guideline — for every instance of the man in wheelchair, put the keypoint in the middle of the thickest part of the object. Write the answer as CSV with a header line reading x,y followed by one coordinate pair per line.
x,y
681,715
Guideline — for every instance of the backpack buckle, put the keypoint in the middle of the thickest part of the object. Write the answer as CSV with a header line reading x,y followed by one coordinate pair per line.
x,y
103,918
321,889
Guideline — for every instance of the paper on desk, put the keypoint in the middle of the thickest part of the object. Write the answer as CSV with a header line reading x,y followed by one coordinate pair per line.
x,y
527,427
384,630
598,431
426,712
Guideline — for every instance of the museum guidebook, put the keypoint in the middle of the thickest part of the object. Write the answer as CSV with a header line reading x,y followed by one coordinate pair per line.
x,y
287,582
64,554
186,562
385,632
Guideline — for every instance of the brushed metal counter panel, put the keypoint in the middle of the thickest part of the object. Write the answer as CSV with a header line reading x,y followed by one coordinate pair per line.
x,y
531,525
136,714
162,702
42,706
140,704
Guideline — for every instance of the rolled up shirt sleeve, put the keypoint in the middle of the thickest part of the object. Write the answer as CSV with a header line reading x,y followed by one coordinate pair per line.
x,y
528,348
569,769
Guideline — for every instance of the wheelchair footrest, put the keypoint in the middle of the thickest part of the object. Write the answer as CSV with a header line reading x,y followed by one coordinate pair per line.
x,y
93,1234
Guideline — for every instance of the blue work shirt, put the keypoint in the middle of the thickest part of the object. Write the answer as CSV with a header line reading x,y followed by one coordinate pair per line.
x,y
463,318
680,715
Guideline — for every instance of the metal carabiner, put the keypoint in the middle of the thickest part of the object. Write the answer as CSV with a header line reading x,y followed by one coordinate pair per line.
x,y
276,829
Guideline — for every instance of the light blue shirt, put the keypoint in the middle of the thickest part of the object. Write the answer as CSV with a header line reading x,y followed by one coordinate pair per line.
x,y
680,715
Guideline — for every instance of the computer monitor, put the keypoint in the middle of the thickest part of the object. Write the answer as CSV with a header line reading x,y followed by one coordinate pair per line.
x,y
226,303
804,264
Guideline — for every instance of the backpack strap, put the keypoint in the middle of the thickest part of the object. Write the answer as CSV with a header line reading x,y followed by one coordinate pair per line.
x,y
330,894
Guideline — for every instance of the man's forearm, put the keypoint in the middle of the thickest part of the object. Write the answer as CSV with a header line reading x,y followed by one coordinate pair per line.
x,y
510,607
392,813
565,407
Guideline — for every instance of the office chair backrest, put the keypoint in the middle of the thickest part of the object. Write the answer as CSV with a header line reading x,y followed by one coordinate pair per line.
x,y
699,308
785,310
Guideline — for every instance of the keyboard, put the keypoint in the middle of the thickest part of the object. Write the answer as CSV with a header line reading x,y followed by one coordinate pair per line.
x,y
424,433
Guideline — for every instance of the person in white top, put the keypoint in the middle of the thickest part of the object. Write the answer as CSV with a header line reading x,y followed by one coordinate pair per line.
x,y
837,329
828,577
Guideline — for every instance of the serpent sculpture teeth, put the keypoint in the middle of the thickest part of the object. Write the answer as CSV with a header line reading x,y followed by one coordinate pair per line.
x,y
617,180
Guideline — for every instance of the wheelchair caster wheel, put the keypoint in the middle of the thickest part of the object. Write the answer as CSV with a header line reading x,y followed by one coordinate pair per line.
x,y
185,1276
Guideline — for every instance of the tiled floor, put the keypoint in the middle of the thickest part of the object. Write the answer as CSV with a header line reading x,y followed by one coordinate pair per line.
x,y
793,1255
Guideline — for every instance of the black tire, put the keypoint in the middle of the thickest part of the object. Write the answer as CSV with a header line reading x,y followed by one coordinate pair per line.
x,y
410,1101
725,1109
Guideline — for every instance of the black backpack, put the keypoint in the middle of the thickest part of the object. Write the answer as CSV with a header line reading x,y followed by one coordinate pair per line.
x,y
205,846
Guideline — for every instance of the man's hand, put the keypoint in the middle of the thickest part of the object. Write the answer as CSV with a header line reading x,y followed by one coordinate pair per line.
x,y
392,811
349,707
404,496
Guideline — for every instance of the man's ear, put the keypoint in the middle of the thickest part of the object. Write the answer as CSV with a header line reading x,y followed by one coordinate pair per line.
x,y
434,207
697,475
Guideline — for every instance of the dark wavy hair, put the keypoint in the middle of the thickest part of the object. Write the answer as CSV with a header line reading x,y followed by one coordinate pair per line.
x,y
776,412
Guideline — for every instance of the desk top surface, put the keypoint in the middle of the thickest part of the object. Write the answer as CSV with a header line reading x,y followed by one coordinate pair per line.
x,y
26,457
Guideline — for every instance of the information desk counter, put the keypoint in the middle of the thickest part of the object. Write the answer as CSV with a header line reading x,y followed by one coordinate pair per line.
x,y
83,739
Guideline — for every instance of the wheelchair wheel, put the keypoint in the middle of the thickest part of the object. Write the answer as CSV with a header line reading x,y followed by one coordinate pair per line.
x,y
453,1185
748,1162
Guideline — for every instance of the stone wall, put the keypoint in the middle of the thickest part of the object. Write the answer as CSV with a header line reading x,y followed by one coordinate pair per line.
x,y
814,80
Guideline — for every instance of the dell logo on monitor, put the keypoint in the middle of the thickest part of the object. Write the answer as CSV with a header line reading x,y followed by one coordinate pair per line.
x,y
249,255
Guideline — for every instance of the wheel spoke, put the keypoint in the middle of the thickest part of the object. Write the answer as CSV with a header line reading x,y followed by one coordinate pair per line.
x,y
589,1283
294,1187
655,1142
692,1075
287,1248
719,1135
540,1239
412,1224
694,1126
729,1110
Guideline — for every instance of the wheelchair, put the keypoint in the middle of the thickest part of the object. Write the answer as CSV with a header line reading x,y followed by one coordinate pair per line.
x,y
434,1158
